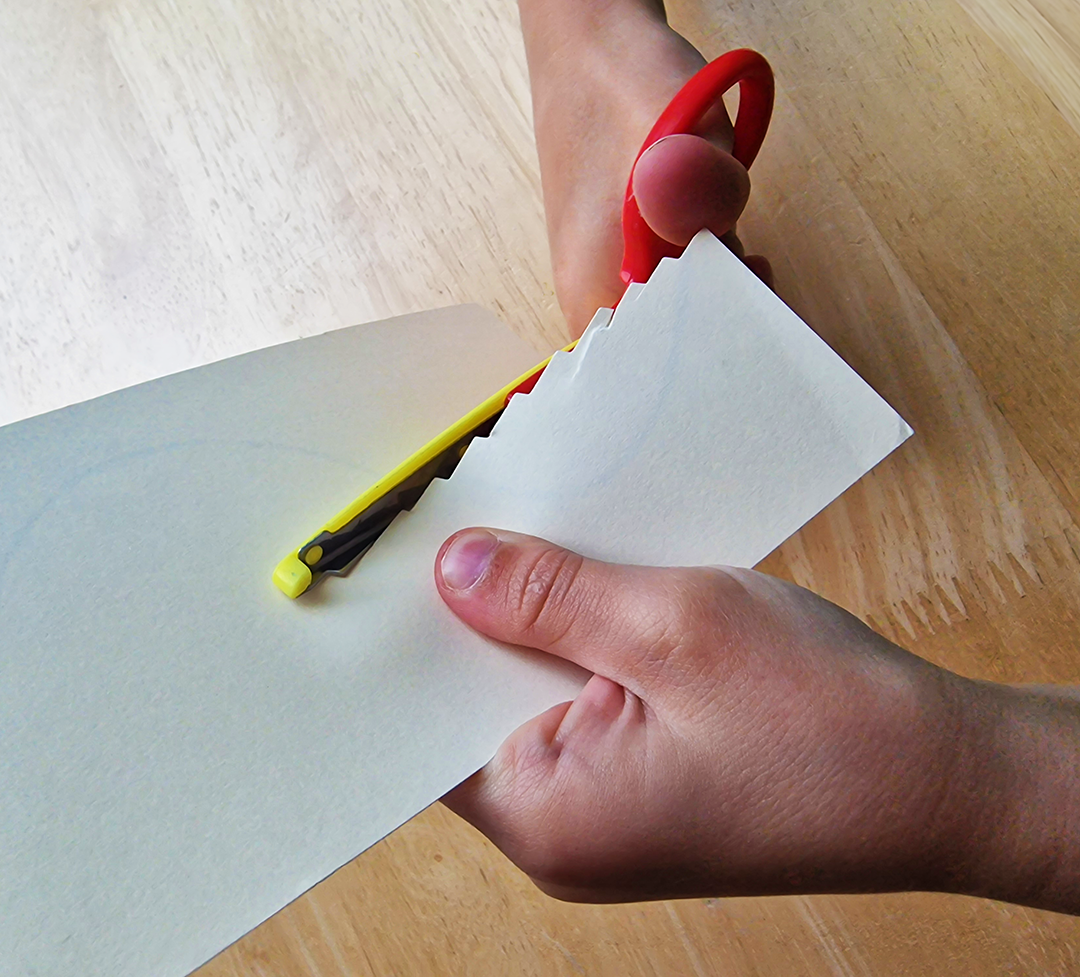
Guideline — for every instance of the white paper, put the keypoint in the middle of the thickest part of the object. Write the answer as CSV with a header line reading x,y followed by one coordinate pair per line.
x,y
184,750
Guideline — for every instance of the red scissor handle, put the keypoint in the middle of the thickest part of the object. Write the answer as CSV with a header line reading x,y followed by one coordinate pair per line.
x,y
642,249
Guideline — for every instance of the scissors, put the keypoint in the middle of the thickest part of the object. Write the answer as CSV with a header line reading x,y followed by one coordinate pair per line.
x,y
336,548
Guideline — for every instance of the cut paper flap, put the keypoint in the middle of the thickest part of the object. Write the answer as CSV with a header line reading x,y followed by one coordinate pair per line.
x,y
185,750
703,423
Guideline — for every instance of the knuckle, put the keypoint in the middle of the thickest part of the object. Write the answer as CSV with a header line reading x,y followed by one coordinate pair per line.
x,y
681,628
547,594
530,829
552,857
677,619
662,637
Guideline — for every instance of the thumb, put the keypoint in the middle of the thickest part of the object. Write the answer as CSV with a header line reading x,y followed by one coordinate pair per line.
x,y
631,624
684,183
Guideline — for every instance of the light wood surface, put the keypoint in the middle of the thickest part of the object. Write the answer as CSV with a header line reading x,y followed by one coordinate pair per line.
x,y
181,182
1043,38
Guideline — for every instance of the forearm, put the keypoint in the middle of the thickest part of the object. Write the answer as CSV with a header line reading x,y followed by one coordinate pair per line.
x,y
568,18
571,42
1015,804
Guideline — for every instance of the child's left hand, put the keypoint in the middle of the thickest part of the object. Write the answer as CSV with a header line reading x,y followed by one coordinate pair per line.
x,y
740,736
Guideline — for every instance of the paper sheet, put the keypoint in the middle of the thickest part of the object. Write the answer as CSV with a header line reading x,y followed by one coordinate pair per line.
x,y
184,750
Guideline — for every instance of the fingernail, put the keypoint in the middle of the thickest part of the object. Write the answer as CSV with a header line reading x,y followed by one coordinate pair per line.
x,y
467,557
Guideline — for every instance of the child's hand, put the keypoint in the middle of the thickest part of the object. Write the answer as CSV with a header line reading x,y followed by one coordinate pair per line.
x,y
743,736
601,74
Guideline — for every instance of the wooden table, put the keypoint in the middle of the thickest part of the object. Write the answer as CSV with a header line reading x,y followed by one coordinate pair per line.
x,y
181,182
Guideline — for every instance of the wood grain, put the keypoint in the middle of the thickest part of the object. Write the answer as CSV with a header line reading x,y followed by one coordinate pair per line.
x,y
181,183
1043,38
184,182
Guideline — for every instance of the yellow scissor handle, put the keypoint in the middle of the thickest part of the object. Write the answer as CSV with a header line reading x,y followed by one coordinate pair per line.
x,y
293,576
